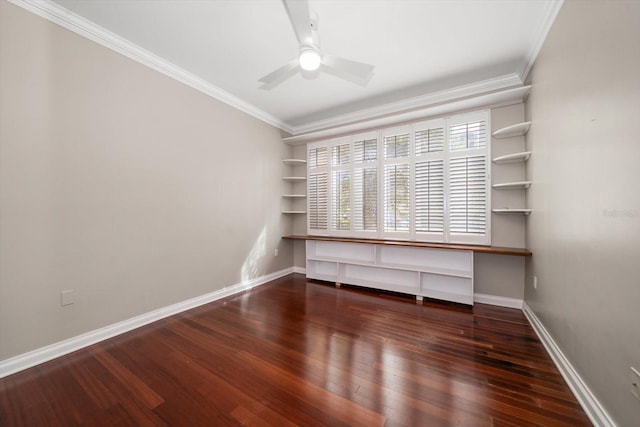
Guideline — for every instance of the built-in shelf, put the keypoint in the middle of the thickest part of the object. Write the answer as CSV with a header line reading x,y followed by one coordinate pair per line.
x,y
294,162
520,185
510,211
513,158
518,129
292,206
423,272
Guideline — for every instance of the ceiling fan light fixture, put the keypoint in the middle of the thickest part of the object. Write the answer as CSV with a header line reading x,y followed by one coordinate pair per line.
x,y
309,59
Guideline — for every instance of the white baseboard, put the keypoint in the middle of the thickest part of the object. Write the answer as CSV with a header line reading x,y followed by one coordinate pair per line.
x,y
300,270
44,354
497,300
595,411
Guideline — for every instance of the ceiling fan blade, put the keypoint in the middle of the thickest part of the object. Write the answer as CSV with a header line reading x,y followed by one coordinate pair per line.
x,y
273,79
298,11
356,72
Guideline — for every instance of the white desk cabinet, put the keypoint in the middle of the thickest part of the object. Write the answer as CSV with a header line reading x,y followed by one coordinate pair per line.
x,y
445,274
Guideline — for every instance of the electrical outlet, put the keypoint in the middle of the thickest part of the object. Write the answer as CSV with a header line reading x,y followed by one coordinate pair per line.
x,y
635,382
275,252
66,297
535,282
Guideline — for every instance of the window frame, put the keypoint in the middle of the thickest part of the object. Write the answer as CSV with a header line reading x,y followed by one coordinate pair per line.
x,y
436,237
384,162
446,155
371,234
314,171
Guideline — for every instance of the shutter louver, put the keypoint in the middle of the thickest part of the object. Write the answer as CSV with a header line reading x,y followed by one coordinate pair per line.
x,y
468,195
396,146
396,197
318,189
429,195
365,151
365,185
317,201
429,140
341,203
340,155
468,135
317,157
365,199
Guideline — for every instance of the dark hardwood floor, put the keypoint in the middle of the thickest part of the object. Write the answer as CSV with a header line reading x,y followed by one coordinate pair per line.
x,y
301,353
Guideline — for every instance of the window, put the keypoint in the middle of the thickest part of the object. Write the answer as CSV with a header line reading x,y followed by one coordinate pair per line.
x,y
317,190
341,185
365,184
428,180
429,170
396,182
469,179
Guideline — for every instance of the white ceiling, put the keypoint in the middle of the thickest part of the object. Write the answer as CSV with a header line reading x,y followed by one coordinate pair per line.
x,y
418,47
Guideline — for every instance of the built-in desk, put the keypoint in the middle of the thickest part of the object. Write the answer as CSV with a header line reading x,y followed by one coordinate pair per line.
x,y
433,270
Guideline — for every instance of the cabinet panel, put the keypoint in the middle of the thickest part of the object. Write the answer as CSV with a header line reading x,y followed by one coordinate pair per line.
x,y
379,278
425,259
322,270
344,252
446,284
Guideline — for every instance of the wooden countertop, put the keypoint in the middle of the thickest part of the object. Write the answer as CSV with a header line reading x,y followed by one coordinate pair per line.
x,y
474,248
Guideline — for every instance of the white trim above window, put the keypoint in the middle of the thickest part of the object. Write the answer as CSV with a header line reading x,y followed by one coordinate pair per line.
x,y
425,181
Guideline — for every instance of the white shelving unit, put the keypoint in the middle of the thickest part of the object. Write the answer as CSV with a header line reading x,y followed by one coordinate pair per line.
x,y
293,196
519,129
513,158
423,272
509,211
519,185
294,162
516,130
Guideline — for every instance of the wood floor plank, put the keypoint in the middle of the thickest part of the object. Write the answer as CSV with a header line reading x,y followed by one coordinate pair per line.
x,y
294,352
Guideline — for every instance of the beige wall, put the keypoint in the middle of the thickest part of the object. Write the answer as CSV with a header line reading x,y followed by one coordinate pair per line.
x,y
503,275
300,221
584,230
122,184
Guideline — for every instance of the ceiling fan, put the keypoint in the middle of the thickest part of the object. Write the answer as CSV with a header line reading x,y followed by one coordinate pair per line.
x,y
311,58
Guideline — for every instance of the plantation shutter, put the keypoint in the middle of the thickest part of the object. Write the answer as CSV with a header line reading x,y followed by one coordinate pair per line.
x,y
317,190
365,184
468,199
426,181
469,179
396,182
429,142
340,185
341,202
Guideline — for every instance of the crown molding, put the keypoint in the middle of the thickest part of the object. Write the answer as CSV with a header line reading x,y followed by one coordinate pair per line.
x,y
547,23
420,106
487,100
85,28
422,101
